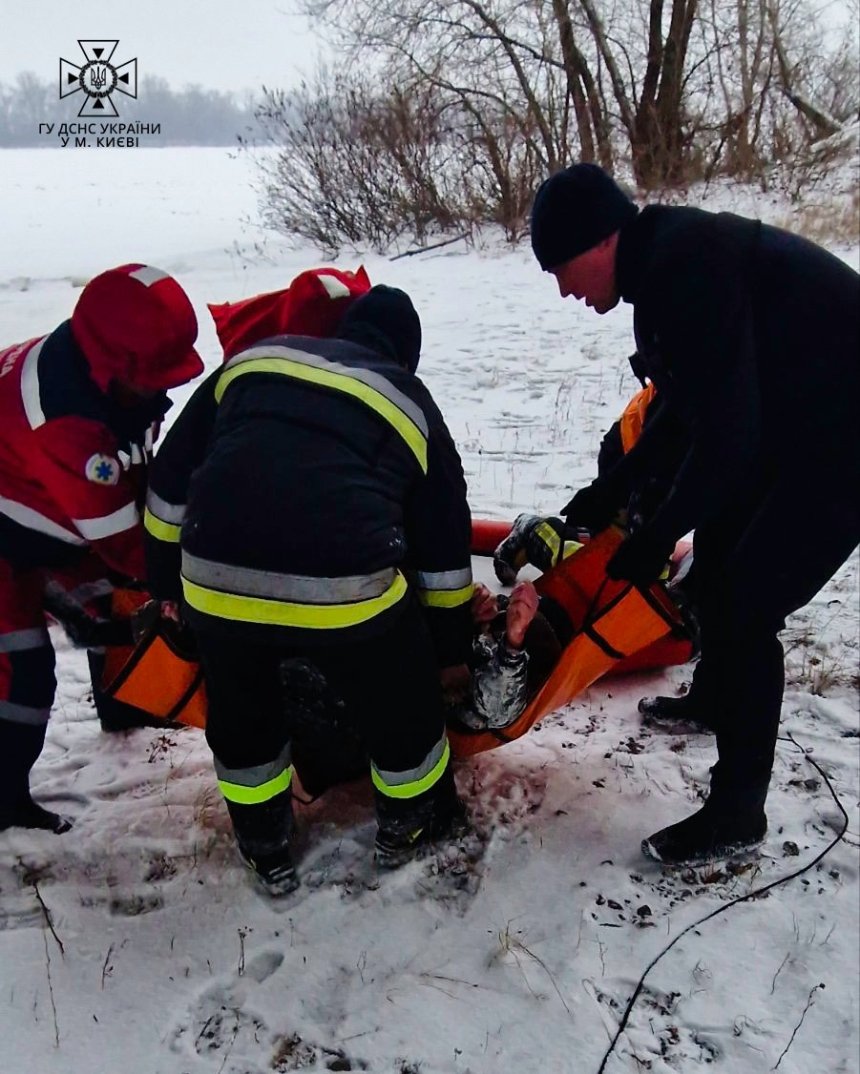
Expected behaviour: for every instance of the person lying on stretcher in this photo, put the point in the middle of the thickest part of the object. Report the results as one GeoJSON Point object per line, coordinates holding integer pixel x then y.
{"type": "Point", "coordinates": [514, 651]}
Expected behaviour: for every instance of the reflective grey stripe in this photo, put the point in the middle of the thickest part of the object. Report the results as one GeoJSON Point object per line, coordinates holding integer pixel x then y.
{"type": "Point", "coordinates": [23, 713]}
{"type": "Point", "coordinates": [444, 579]}
{"type": "Point", "coordinates": [333, 286]}
{"type": "Point", "coordinates": [257, 776]}
{"type": "Point", "coordinates": [298, 588]}
{"type": "Point", "coordinates": [398, 779]}
{"type": "Point", "coordinates": [366, 376]}
{"type": "Point", "coordinates": [95, 529]}
{"type": "Point", "coordinates": [18, 641]}
{"type": "Point", "coordinates": [32, 520]}
{"type": "Point", "coordinates": [148, 275]}
{"type": "Point", "coordinates": [173, 513]}
{"type": "Point", "coordinates": [31, 395]}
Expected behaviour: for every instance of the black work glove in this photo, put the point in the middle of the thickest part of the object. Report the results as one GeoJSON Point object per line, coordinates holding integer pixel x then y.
{"type": "Point", "coordinates": [640, 559]}
{"type": "Point", "coordinates": [513, 552]}
{"type": "Point", "coordinates": [83, 630]}
{"type": "Point", "coordinates": [144, 619]}
{"type": "Point", "coordinates": [148, 619]}
{"type": "Point", "coordinates": [592, 508]}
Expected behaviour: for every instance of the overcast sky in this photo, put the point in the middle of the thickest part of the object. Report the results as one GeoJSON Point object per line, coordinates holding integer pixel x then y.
{"type": "Point", "coordinates": [221, 44]}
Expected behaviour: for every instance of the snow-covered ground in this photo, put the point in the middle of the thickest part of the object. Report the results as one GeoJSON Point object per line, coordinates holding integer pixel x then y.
{"type": "Point", "coordinates": [135, 943]}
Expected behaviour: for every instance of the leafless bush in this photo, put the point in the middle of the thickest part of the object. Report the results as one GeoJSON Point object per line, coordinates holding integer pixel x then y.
{"type": "Point", "coordinates": [828, 221]}
{"type": "Point", "coordinates": [345, 163]}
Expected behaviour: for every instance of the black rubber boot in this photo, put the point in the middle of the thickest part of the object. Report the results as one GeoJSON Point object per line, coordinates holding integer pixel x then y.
{"type": "Point", "coordinates": [678, 713]}
{"type": "Point", "coordinates": [263, 836]}
{"type": "Point", "coordinates": [731, 822]}
{"type": "Point", "coordinates": [20, 746]}
{"type": "Point", "coordinates": [25, 813]}
{"type": "Point", "coordinates": [409, 825]}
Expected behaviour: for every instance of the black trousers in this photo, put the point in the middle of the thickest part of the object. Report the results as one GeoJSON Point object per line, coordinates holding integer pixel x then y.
{"type": "Point", "coordinates": [389, 685]}
{"type": "Point", "coordinates": [757, 563]}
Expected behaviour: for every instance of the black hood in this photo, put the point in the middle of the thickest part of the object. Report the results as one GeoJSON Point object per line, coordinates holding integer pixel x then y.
{"type": "Point", "coordinates": [385, 320]}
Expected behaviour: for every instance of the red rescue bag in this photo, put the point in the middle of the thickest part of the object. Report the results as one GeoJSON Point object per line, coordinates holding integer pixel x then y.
{"type": "Point", "coordinates": [311, 306]}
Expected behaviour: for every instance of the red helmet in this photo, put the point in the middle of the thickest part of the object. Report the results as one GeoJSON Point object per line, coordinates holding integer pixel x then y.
{"type": "Point", "coordinates": [135, 324]}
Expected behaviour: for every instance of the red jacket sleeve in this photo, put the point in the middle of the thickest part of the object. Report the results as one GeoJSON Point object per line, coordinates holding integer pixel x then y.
{"type": "Point", "coordinates": [78, 465]}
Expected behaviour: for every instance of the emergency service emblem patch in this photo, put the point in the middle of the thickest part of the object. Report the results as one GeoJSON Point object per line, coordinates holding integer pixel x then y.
{"type": "Point", "coordinates": [98, 78]}
{"type": "Point", "coordinates": [102, 469]}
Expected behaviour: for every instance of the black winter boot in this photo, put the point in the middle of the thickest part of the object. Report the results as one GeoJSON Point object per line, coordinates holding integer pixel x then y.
{"type": "Point", "coordinates": [25, 813]}
{"type": "Point", "coordinates": [263, 835]}
{"type": "Point", "coordinates": [730, 822]}
{"type": "Point", "coordinates": [667, 712]}
{"type": "Point", "coordinates": [409, 825]}
{"type": "Point", "coordinates": [20, 746]}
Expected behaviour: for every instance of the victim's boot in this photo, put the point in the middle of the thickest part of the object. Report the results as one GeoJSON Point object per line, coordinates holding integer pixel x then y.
{"type": "Point", "coordinates": [408, 825]}
{"type": "Point", "coordinates": [264, 833]}
{"type": "Point", "coordinates": [20, 746]}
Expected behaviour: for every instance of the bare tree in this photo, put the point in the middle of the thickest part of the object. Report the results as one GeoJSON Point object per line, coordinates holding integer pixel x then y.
{"type": "Point", "coordinates": [462, 106]}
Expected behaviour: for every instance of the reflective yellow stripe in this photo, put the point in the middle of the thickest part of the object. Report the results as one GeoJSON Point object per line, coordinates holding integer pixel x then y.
{"type": "Point", "coordinates": [550, 538]}
{"type": "Point", "coordinates": [341, 382]}
{"type": "Point", "coordinates": [285, 613]}
{"type": "Point", "coordinates": [569, 548]}
{"type": "Point", "coordinates": [446, 598]}
{"type": "Point", "coordinates": [163, 531]}
{"type": "Point", "coordinates": [235, 792]}
{"type": "Point", "coordinates": [416, 787]}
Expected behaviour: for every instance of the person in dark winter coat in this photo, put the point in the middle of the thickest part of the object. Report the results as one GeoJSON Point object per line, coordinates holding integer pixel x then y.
{"type": "Point", "coordinates": [751, 337]}
{"type": "Point", "coordinates": [296, 486]}
{"type": "Point", "coordinates": [79, 410]}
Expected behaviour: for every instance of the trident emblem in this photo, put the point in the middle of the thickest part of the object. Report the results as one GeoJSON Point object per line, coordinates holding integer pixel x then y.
{"type": "Point", "coordinates": [98, 78]}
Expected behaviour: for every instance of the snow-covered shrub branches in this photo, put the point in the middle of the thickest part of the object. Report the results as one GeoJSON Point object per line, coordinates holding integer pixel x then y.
{"type": "Point", "coordinates": [357, 162]}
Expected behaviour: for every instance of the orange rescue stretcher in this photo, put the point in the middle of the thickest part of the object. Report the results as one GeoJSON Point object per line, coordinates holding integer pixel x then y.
{"type": "Point", "coordinates": [616, 627]}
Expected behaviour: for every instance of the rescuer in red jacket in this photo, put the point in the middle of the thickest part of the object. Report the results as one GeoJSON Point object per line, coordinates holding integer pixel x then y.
{"type": "Point", "coordinates": [79, 410]}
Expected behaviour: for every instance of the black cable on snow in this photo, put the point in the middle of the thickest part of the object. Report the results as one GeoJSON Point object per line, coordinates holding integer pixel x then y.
{"type": "Point", "coordinates": [756, 893]}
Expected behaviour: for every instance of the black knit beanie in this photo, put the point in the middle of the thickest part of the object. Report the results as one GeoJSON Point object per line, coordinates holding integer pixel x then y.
{"type": "Point", "coordinates": [385, 320]}
{"type": "Point", "coordinates": [574, 210]}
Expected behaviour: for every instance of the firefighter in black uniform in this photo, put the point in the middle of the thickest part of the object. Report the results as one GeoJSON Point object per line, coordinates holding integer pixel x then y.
{"type": "Point", "coordinates": [751, 337]}
{"type": "Point", "coordinates": [301, 484]}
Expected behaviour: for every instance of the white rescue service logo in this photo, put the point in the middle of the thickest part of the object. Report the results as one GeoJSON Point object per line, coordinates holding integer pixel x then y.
{"type": "Point", "coordinates": [102, 469]}
{"type": "Point", "coordinates": [11, 357]}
